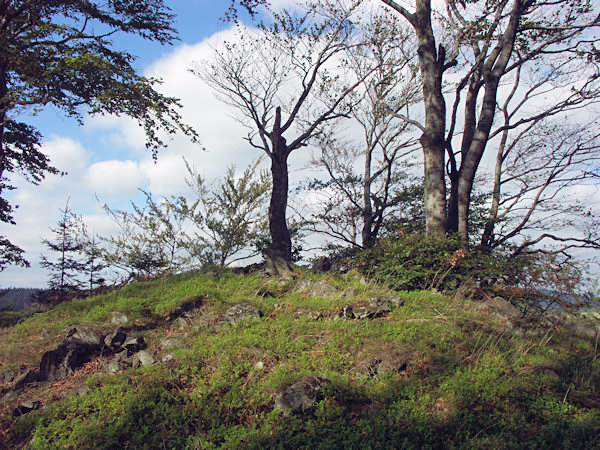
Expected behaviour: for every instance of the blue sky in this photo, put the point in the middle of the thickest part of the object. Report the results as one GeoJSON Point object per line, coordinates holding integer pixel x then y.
{"type": "Point", "coordinates": [106, 157]}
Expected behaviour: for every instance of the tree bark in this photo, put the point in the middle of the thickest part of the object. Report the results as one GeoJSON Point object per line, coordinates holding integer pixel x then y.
{"type": "Point", "coordinates": [281, 242]}
{"type": "Point", "coordinates": [433, 137]}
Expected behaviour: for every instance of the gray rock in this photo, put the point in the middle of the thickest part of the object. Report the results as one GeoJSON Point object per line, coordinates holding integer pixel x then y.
{"type": "Point", "coordinates": [582, 328]}
{"type": "Point", "coordinates": [135, 345]}
{"type": "Point", "coordinates": [118, 318]}
{"type": "Point", "coordinates": [321, 288]}
{"type": "Point", "coordinates": [168, 358]}
{"type": "Point", "coordinates": [259, 365]}
{"type": "Point", "coordinates": [314, 315]}
{"type": "Point", "coordinates": [346, 313]}
{"type": "Point", "coordinates": [63, 361]}
{"type": "Point", "coordinates": [301, 396]}
{"type": "Point", "coordinates": [9, 397]}
{"type": "Point", "coordinates": [143, 358]}
{"type": "Point", "coordinates": [114, 366]}
{"type": "Point", "coordinates": [552, 375]}
{"type": "Point", "coordinates": [27, 406]}
{"type": "Point", "coordinates": [242, 311]}
{"type": "Point", "coordinates": [181, 322]}
{"type": "Point", "coordinates": [115, 340]}
{"type": "Point", "coordinates": [171, 343]}
{"type": "Point", "coordinates": [504, 310]}
{"type": "Point", "coordinates": [85, 336]}
{"type": "Point", "coordinates": [23, 378]}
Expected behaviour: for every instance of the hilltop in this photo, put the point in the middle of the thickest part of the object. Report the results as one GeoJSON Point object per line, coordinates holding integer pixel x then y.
{"type": "Point", "coordinates": [218, 359]}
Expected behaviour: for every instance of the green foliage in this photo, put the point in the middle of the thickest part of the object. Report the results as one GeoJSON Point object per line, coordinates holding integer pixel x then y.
{"type": "Point", "coordinates": [414, 261]}
{"type": "Point", "coordinates": [60, 53]}
{"type": "Point", "coordinates": [66, 267]}
{"type": "Point", "coordinates": [230, 218]}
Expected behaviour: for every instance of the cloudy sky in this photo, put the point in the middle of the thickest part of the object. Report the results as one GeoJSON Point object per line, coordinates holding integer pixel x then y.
{"type": "Point", "coordinates": [106, 158]}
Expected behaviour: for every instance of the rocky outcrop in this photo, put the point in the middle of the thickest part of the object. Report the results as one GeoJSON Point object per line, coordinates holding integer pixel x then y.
{"type": "Point", "coordinates": [301, 396]}
{"type": "Point", "coordinates": [241, 312]}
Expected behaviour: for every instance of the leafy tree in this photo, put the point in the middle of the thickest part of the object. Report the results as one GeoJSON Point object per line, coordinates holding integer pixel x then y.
{"type": "Point", "coordinates": [151, 238]}
{"type": "Point", "coordinates": [229, 219]}
{"type": "Point", "coordinates": [66, 268]}
{"type": "Point", "coordinates": [59, 53]}
{"type": "Point", "coordinates": [489, 42]}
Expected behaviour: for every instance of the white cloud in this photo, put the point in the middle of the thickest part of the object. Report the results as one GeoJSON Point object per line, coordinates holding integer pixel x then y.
{"type": "Point", "coordinates": [114, 177]}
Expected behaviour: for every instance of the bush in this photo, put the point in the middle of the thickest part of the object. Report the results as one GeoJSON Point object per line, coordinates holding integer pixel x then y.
{"type": "Point", "coordinates": [414, 261]}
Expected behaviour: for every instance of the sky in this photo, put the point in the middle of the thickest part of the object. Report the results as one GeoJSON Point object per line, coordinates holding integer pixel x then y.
{"type": "Point", "coordinates": [106, 160]}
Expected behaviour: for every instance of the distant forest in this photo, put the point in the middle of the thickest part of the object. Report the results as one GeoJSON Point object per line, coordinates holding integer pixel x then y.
{"type": "Point", "coordinates": [18, 299]}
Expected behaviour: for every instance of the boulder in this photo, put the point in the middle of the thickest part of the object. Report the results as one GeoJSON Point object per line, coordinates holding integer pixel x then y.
{"type": "Point", "coordinates": [301, 396]}
{"type": "Point", "coordinates": [171, 343]}
{"type": "Point", "coordinates": [115, 340]}
{"type": "Point", "coordinates": [347, 313]}
{"type": "Point", "coordinates": [27, 406]}
{"type": "Point", "coordinates": [242, 311]}
{"type": "Point", "coordinates": [504, 310]}
{"type": "Point", "coordinates": [142, 358]}
{"type": "Point", "coordinates": [314, 315]}
{"type": "Point", "coordinates": [23, 378]}
{"type": "Point", "coordinates": [63, 361]}
{"type": "Point", "coordinates": [118, 318]}
{"type": "Point", "coordinates": [135, 345]}
{"type": "Point", "coordinates": [321, 288]}
{"type": "Point", "coordinates": [582, 328]}
{"type": "Point", "coordinates": [84, 336]}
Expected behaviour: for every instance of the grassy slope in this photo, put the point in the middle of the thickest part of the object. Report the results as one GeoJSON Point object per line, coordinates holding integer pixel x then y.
{"type": "Point", "coordinates": [468, 383]}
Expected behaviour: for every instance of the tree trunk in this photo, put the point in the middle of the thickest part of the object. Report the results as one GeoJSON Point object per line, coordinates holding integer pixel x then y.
{"type": "Point", "coordinates": [433, 138]}
{"type": "Point", "coordinates": [368, 240]}
{"type": "Point", "coordinates": [281, 242]}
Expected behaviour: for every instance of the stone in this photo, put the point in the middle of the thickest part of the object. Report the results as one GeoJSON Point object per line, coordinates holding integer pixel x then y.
{"type": "Point", "coordinates": [63, 361]}
{"type": "Point", "coordinates": [181, 322]}
{"type": "Point", "coordinates": [346, 313]}
{"type": "Point", "coordinates": [114, 366]}
{"type": "Point", "coordinates": [171, 343]}
{"type": "Point", "coordinates": [118, 318]}
{"type": "Point", "coordinates": [26, 407]}
{"type": "Point", "coordinates": [9, 397]}
{"type": "Point", "coordinates": [314, 315]}
{"type": "Point", "coordinates": [259, 365]}
{"type": "Point", "coordinates": [115, 340]}
{"type": "Point", "coordinates": [377, 307]}
{"type": "Point", "coordinates": [386, 361]}
{"type": "Point", "coordinates": [135, 345]}
{"type": "Point", "coordinates": [143, 358]}
{"type": "Point", "coordinates": [581, 328]}
{"type": "Point", "coordinates": [552, 375]}
{"type": "Point", "coordinates": [23, 378]}
{"type": "Point", "coordinates": [242, 311]}
{"type": "Point", "coordinates": [84, 336]}
{"type": "Point", "coordinates": [321, 288]}
{"type": "Point", "coordinates": [168, 358]}
{"type": "Point", "coordinates": [504, 310]}
{"type": "Point", "coordinates": [301, 396]}
{"type": "Point", "coordinates": [321, 265]}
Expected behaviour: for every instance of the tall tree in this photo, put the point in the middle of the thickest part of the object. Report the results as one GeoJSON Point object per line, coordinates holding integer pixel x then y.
{"type": "Point", "coordinates": [59, 53]}
{"type": "Point", "coordinates": [277, 78]}
{"type": "Point", "coordinates": [490, 40]}
{"type": "Point", "coordinates": [362, 199]}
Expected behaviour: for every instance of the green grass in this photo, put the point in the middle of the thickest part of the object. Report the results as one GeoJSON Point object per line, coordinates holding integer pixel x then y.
{"type": "Point", "coordinates": [468, 382]}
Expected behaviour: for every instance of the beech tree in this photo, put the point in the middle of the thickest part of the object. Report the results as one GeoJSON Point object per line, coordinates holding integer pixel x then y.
{"type": "Point", "coordinates": [488, 41]}
{"type": "Point", "coordinates": [277, 79]}
{"type": "Point", "coordinates": [59, 53]}
{"type": "Point", "coordinates": [357, 202]}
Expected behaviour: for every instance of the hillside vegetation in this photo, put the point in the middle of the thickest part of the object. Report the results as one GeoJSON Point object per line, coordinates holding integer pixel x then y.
{"type": "Point", "coordinates": [385, 369]}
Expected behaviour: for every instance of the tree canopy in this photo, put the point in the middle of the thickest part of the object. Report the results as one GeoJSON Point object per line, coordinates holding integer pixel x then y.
{"type": "Point", "coordinates": [60, 53]}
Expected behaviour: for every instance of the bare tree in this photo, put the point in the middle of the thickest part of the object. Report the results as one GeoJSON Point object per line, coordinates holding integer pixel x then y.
{"type": "Point", "coordinates": [359, 201]}
{"type": "Point", "coordinates": [488, 41]}
{"type": "Point", "coordinates": [277, 79]}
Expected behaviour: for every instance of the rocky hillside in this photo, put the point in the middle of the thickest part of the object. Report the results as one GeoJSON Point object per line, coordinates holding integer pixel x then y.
{"type": "Point", "coordinates": [245, 361]}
